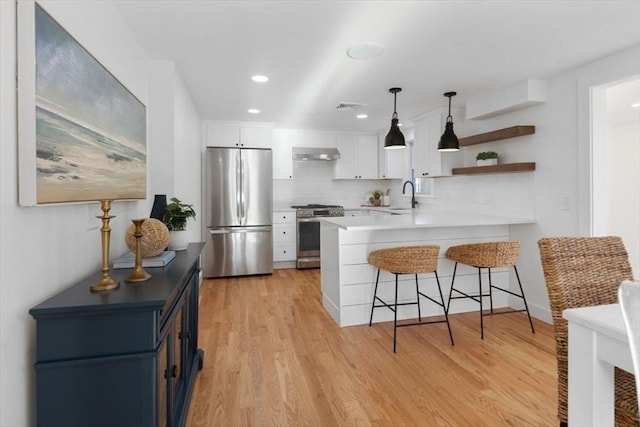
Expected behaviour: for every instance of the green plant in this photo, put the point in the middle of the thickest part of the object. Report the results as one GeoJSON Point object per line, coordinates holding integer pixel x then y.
{"type": "Point", "coordinates": [484, 155]}
{"type": "Point", "coordinates": [377, 194]}
{"type": "Point", "coordinates": [177, 215]}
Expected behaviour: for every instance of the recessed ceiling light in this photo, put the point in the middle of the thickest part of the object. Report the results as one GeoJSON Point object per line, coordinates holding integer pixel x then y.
{"type": "Point", "coordinates": [636, 105]}
{"type": "Point", "coordinates": [260, 79]}
{"type": "Point", "coordinates": [253, 111]}
{"type": "Point", "coordinates": [365, 50]}
{"type": "Point", "coordinates": [362, 116]}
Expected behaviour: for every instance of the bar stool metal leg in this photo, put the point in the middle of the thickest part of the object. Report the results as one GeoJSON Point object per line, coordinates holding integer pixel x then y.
{"type": "Point", "coordinates": [375, 293]}
{"type": "Point", "coordinates": [418, 297]}
{"type": "Point", "coordinates": [446, 311]}
{"type": "Point", "coordinates": [395, 316]}
{"type": "Point", "coordinates": [524, 299]}
{"type": "Point", "coordinates": [480, 300]}
{"type": "Point", "coordinates": [490, 290]}
{"type": "Point", "coordinates": [453, 278]}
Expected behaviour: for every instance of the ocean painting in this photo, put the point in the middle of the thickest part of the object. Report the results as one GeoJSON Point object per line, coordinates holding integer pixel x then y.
{"type": "Point", "coordinates": [90, 130]}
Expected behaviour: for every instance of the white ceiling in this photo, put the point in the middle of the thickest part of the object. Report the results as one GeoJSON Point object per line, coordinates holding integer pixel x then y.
{"type": "Point", "coordinates": [430, 47]}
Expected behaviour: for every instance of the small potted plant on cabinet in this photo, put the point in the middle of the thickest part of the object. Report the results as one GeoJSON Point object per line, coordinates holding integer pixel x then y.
{"type": "Point", "coordinates": [175, 218]}
{"type": "Point", "coordinates": [487, 158]}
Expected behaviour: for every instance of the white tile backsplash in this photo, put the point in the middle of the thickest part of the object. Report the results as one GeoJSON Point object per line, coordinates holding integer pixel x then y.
{"type": "Point", "coordinates": [496, 194]}
{"type": "Point", "coordinates": [313, 183]}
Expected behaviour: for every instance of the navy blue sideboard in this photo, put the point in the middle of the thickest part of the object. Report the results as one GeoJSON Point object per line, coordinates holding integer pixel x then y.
{"type": "Point", "coordinates": [126, 357]}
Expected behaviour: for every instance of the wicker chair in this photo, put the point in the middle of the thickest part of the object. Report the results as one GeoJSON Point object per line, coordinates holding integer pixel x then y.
{"type": "Point", "coordinates": [407, 260]}
{"type": "Point", "coordinates": [580, 272]}
{"type": "Point", "coordinates": [487, 255]}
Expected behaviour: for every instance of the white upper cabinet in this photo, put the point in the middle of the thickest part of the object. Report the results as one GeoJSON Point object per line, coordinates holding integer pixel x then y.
{"type": "Point", "coordinates": [358, 157]}
{"type": "Point", "coordinates": [232, 135]}
{"type": "Point", "coordinates": [428, 128]}
{"type": "Point", "coordinates": [391, 163]}
{"type": "Point", "coordinates": [283, 141]}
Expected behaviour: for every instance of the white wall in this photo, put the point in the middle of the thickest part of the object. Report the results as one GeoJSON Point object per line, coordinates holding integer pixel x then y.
{"type": "Point", "coordinates": [46, 249]}
{"type": "Point", "coordinates": [175, 131]}
{"type": "Point", "coordinates": [623, 186]}
{"type": "Point", "coordinates": [187, 161]}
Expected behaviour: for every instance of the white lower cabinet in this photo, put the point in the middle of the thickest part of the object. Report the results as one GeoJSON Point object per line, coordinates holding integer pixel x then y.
{"type": "Point", "coordinates": [356, 212]}
{"type": "Point", "coordinates": [284, 236]}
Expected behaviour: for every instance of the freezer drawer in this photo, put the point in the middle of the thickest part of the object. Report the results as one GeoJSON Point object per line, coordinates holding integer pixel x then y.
{"type": "Point", "coordinates": [238, 251]}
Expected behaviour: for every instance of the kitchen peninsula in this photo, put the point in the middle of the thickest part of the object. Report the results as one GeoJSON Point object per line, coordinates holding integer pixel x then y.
{"type": "Point", "coordinates": [348, 280]}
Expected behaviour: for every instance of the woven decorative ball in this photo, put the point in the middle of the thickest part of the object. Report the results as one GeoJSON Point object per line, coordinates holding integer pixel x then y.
{"type": "Point", "coordinates": [155, 237]}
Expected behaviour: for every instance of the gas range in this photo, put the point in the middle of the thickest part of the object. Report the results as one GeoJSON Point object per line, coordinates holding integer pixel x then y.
{"type": "Point", "coordinates": [313, 210]}
{"type": "Point", "coordinates": [308, 232]}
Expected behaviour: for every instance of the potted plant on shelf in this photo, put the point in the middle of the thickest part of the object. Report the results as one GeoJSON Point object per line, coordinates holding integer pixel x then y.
{"type": "Point", "coordinates": [487, 158]}
{"type": "Point", "coordinates": [376, 198]}
{"type": "Point", "coordinates": [175, 218]}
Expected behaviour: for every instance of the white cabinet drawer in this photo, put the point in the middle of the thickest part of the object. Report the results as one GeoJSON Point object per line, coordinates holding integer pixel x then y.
{"type": "Point", "coordinates": [284, 217]}
{"type": "Point", "coordinates": [284, 252]}
{"type": "Point", "coordinates": [284, 233]}
{"type": "Point", "coordinates": [355, 212]}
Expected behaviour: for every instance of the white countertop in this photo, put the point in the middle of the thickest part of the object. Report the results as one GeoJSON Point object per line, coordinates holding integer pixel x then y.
{"type": "Point", "coordinates": [408, 218]}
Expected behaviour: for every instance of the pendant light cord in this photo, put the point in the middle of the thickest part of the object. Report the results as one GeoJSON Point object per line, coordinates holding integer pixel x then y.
{"type": "Point", "coordinates": [395, 114]}
{"type": "Point", "coordinates": [449, 117]}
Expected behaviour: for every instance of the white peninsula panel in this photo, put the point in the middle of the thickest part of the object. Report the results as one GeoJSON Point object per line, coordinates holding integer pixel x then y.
{"type": "Point", "coordinates": [348, 280]}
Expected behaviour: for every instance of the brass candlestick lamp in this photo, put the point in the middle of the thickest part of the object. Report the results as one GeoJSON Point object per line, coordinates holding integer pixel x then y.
{"type": "Point", "coordinates": [106, 283]}
{"type": "Point", "coordinates": [138, 274]}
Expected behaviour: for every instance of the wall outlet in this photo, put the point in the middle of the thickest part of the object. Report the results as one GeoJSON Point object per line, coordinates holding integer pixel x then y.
{"type": "Point", "coordinates": [565, 203]}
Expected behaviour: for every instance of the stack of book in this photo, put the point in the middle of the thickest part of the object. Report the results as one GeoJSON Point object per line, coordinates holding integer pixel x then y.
{"type": "Point", "coordinates": [129, 260]}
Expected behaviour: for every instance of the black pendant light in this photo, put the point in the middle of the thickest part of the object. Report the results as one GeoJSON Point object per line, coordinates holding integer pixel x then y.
{"type": "Point", "coordinates": [449, 140]}
{"type": "Point", "coordinates": [395, 138]}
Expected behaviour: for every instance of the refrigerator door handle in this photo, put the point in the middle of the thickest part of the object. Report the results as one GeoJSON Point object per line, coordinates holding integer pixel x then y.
{"type": "Point", "coordinates": [239, 188]}
{"type": "Point", "coordinates": [239, 230]}
{"type": "Point", "coordinates": [243, 198]}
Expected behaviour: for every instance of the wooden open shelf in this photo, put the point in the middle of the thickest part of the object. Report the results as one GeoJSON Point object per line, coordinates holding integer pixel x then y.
{"type": "Point", "coordinates": [504, 168]}
{"type": "Point", "coordinates": [497, 135]}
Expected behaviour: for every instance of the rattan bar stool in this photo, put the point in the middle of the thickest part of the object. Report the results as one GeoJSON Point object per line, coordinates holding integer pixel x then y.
{"type": "Point", "coordinates": [487, 255]}
{"type": "Point", "coordinates": [407, 260]}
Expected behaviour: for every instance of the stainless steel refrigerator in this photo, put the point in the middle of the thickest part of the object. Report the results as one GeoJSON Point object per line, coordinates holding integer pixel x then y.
{"type": "Point", "coordinates": [238, 212]}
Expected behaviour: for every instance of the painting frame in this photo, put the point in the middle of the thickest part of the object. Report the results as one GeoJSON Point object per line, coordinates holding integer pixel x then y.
{"type": "Point", "coordinates": [82, 135]}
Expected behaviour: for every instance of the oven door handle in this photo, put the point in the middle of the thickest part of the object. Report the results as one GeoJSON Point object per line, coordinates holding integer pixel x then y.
{"type": "Point", "coordinates": [308, 219]}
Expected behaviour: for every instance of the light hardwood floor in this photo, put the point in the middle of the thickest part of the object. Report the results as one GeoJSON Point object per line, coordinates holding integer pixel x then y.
{"type": "Point", "coordinates": [274, 357]}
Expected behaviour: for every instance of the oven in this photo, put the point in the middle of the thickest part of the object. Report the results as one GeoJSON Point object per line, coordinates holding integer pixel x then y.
{"type": "Point", "coordinates": [308, 232]}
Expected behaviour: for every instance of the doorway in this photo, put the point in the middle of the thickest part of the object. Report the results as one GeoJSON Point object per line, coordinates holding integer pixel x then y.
{"type": "Point", "coordinates": [615, 164]}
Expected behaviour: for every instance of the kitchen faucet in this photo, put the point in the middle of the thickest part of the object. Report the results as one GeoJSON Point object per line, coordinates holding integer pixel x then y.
{"type": "Point", "coordinates": [413, 193]}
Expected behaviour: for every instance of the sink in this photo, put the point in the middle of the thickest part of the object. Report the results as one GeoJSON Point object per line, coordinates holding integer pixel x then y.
{"type": "Point", "coordinates": [399, 209]}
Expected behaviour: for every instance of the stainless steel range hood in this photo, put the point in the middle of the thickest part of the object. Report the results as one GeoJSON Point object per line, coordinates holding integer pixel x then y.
{"type": "Point", "coordinates": [309, 153]}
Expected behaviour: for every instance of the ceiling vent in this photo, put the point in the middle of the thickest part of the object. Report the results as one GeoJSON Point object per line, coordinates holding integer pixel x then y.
{"type": "Point", "coordinates": [349, 106]}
